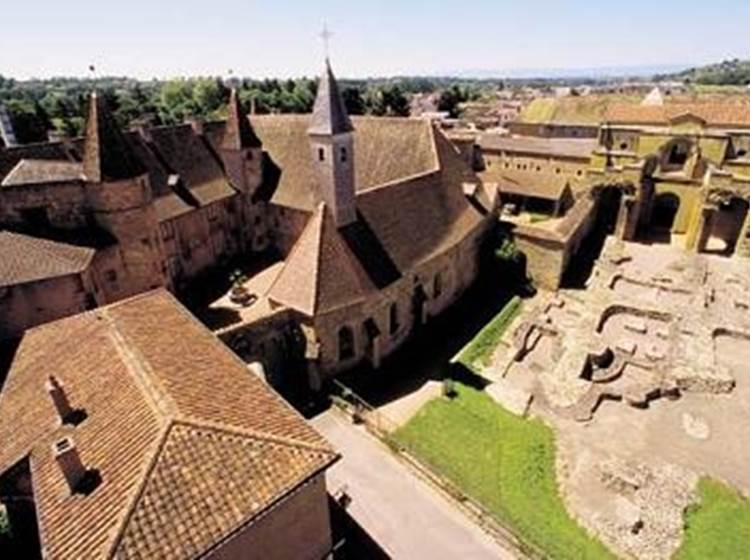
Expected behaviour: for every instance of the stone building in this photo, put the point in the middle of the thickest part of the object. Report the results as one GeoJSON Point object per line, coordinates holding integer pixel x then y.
{"type": "Point", "coordinates": [159, 207]}
{"type": "Point", "coordinates": [380, 221]}
{"type": "Point", "coordinates": [682, 172]}
{"type": "Point", "coordinates": [148, 438]}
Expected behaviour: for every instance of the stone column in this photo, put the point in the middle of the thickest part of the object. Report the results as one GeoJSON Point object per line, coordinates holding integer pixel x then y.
{"type": "Point", "coordinates": [704, 228]}
{"type": "Point", "coordinates": [627, 218]}
{"type": "Point", "coordinates": [742, 248]}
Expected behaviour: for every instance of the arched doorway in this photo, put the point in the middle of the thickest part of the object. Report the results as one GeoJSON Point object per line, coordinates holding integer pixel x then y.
{"type": "Point", "coordinates": [726, 226]}
{"type": "Point", "coordinates": [663, 214]}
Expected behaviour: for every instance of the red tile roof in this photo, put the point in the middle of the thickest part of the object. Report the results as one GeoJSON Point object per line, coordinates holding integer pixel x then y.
{"type": "Point", "coordinates": [169, 411]}
{"type": "Point", "coordinates": [580, 148]}
{"type": "Point", "coordinates": [30, 259]}
{"type": "Point", "coordinates": [385, 150]}
{"type": "Point", "coordinates": [36, 171]}
{"type": "Point", "coordinates": [321, 272]}
{"type": "Point", "coordinates": [717, 114]}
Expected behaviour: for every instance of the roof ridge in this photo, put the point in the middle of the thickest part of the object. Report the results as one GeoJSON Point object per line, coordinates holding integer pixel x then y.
{"type": "Point", "coordinates": [140, 489]}
{"type": "Point", "coordinates": [233, 356]}
{"type": "Point", "coordinates": [140, 371]}
{"type": "Point", "coordinates": [231, 429]}
{"type": "Point", "coordinates": [292, 251]}
{"type": "Point", "coordinates": [319, 257]}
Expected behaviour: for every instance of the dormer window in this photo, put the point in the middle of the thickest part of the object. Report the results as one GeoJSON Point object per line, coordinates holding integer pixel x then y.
{"type": "Point", "coordinates": [344, 155]}
{"type": "Point", "coordinates": [321, 154]}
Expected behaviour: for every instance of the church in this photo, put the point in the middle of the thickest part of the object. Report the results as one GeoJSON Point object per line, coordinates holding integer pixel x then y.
{"type": "Point", "coordinates": [378, 221]}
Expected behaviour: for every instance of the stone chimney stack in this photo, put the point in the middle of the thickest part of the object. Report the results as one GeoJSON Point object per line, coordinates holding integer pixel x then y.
{"type": "Point", "coordinates": [69, 461]}
{"type": "Point", "coordinates": [59, 398]}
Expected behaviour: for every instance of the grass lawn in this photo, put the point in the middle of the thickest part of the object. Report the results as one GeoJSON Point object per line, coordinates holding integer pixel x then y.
{"type": "Point", "coordinates": [718, 528]}
{"type": "Point", "coordinates": [479, 351]}
{"type": "Point", "coordinates": [504, 462]}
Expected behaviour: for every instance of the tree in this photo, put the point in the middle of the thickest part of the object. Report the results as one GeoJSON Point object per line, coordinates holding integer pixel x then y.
{"type": "Point", "coordinates": [355, 104]}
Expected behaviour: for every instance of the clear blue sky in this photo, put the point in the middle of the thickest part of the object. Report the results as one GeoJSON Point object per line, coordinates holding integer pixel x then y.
{"type": "Point", "coordinates": [147, 38]}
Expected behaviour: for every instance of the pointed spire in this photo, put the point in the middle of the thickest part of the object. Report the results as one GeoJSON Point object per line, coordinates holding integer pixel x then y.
{"type": "Point", "coordinates": [106, 154]}
{"type": "Point", "coordinates": [238, 134]}
{"type": "Point", "coordinates": [329, 116]}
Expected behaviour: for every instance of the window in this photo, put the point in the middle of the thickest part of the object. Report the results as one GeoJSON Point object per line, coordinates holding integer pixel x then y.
{"type": "Point", "coordinates": [579, 172]}
{"type": "Point", "coordinates": [393, 319]}
{"type": "Point", "coordinates": [111, 277]}
{"type": "Point", "coordinates": [678, 153]}
{"type": "Point", "coordinates": [437, 285]}
{"type": "Point", "coordinates": [623, 146]}
{"type": "Point", "coordinates": [344, 155]}
{"type": "Point", "coordinates": [538, 167]}
{"type": "Point", "coordinates": [249, 155]}
{"type": "Point", "coordinates": [346, 343]}
{"type": "Point", "coordinates": [558, 170]}
{"type": "Point", "coordinates": [321, 154]}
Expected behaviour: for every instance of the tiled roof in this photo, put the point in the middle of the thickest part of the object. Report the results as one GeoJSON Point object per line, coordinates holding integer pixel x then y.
{"type": "Point", "coordinates": [189, 155]}
{"type": "Point", "coordinates": [329, 114]}
{"type": "Point", "coordinates": [385, 150]}
{"type": "Point", "coordinates": [564, 147]}
{"type": "Point", "coordinates": [399, 225]}
{"type": "Point", "coordinates": [419, 217]}
{"type": "Point", "coordinates": [36, 171]}
{"type": "Point", "coordinates": [9, 157]}
{"type": "Point", "coordinates": [529, 183]}
{"type": "Point", "coordinates": [321, 272]}
{"type": "Point", "coordinates": [169, 412]}
{"type": "Point", "coordinates": [718, 114]}
{"type": "Point", "coordinates": [106, 154]}
{"type": "Point", "coordinates": [28, 259]}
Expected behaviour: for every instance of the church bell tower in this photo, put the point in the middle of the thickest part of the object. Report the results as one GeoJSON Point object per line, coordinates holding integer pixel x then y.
{"type": "Point", "coordinates": [332, 144]}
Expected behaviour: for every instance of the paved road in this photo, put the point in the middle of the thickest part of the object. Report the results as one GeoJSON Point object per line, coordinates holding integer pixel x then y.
{"type": "Point", "coordinates": [408, 518]}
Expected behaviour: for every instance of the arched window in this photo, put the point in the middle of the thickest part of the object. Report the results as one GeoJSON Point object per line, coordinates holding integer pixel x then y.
{"type": "Point", "coordinates": [346, 343]}
{"type": "Point", "coordinates": [344, 155]}
{"type": "Point", "coordinates": [393, 319]}
{"type": "Point", "coordinates": [321, 154]}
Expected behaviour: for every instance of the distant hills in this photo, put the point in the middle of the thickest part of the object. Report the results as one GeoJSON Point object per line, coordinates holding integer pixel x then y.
{"type": "Point", "coordinates": [734, 72]}
{"type": "Point", "coordinates": [589, 73]}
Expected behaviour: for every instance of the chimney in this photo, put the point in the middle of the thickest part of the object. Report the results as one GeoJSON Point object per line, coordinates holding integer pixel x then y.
{"type": "Point", "coordinates": [69, 462]}
{"type": "Point", "coordinates": [59, 398]}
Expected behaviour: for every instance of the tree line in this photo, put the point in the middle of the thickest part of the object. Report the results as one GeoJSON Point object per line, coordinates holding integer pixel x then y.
{"type": "Point", "coordinates": [58, 106]}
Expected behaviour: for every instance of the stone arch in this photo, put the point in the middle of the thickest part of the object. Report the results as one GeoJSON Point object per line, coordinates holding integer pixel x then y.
{"type": "Point", "coordinates": [664, 211]}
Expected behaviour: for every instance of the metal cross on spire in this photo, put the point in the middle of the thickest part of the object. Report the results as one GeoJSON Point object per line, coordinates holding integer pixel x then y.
{"type": "Point", "coordinates": [326, 35]}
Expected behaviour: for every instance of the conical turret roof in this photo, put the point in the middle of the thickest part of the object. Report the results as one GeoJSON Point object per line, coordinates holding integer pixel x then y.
{"type": "Point", "coordinates": [106, 154]}
{"type": "Point", "coordinates": [329, 116]}
{"type": "Point", "coordinates": [238, 134]}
